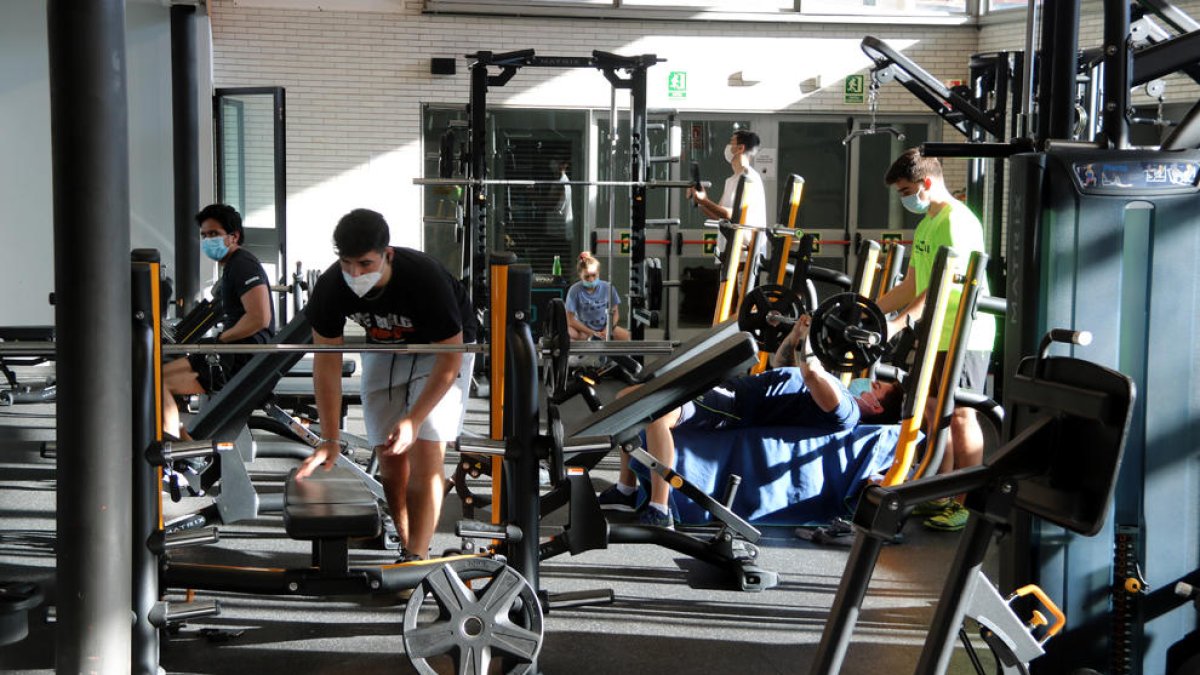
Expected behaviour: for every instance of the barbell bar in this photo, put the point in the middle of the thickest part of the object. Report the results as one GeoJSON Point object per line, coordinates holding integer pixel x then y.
{"type": "Point", "coordinates": [522, 182]}
{"type": "Point", "coordinates": [853, 333]}
{"type": "Point", "coordinates": [591, 347]}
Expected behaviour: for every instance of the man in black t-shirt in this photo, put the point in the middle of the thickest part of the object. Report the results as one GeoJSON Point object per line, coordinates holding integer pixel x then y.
{"type": "Point", "coordinates": [412, 404]}
{"type": "Point", "coordinates": [247, 316]}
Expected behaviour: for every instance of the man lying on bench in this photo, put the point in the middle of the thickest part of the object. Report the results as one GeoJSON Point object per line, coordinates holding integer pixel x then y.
{"type": "Point", "coordinates": [797, 392]}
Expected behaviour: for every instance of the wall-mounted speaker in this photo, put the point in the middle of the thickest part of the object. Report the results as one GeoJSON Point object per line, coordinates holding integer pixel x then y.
{"type": "Point", "coordinates": [442, 66]}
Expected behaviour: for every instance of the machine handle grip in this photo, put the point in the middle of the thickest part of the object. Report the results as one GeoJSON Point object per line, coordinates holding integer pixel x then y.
{"type": "Point", "coordinates": [1060, 619]}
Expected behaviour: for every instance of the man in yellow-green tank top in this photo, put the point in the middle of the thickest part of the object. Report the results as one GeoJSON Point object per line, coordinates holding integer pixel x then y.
{"type": "Point", "coordinates": [947, 222]}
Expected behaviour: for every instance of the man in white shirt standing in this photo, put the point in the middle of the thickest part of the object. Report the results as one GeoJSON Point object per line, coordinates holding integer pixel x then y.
{"type": "Point", "coordinates": [743, 145]}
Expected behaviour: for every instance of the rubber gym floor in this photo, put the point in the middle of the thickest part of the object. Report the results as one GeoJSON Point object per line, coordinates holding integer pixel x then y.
{"type": "Point", "coordinates": [671, 614]}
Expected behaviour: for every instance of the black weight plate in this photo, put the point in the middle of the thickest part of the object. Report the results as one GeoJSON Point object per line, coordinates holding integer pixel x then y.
{"type": "Point", "coordinates": [558, 341]}
{"type": "Point", "coordinates": [761, 301]}
{"type": "Point", "coordinates": [848, 332]}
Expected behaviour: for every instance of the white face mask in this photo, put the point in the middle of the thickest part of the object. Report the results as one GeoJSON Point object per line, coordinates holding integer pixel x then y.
{"type": "Point", "coordinates": [729, 153]}
{"type": "Point", "coordinates": [363, 283]}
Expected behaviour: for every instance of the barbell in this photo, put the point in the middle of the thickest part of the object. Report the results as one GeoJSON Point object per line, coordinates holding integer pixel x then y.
{"type": "Point", "coordinates": [848, 331]}
{"type": "Point", "coordinates": [524, 182]}
{"type": "Point", "coordinates": [623, 348]}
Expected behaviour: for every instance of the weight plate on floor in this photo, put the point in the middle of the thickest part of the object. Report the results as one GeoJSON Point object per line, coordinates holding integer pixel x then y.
{"type": "Point", "coordinates": [449, 622]}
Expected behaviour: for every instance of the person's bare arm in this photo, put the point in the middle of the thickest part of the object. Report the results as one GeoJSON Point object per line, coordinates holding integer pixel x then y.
{"type": "Point", "coordinates": [574, 322]}
{"type": "Point", "coordinates": [905, 300]}
{"type": "Point", "coordinates": [327, 389]}
{"type": "Point", "coordinates": [793, 351]}
{"type": "Point", "coordinates": [445, 370]}
{"type": "Point", "coordinates": [257, 304]}
{"type": "Point", "coordinates": [711, 209]}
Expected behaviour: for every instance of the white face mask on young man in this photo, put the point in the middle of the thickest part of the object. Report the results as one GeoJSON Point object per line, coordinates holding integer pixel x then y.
{"type": "Point", "coordinates": [363, 283]}
{"type": "Point", "coordinates": [729, 153]}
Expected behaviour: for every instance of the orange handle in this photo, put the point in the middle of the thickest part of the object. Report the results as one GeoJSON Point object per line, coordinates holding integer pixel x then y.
{"type": "Point", "coordinates": [1060, 619]}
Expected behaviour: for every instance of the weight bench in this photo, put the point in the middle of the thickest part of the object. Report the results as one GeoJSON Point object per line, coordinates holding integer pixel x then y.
{"type": "Point", "coordinates": [17, 392]}
{"type": "Point", "coordinates": [689, 350]}
{"type": "Point", "coordinates": [226, 418]}
{"type": "Point", "coordinates": [622, 421]}
{"type": "Point", "coordinates": [329, 508]}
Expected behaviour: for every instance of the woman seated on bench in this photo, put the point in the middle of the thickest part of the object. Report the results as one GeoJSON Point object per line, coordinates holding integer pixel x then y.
{"type": "Point", "coordinates": [592, 304]}
{"type": "Point", "coordinates": [247, 314]}
{"type": "Point", "coordinates": [797, 392]}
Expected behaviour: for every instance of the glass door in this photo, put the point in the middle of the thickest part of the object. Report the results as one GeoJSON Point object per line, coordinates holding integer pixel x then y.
{"type": "Point", "coordinates": [251, 172]}
{"type": "Point", "coordinates": [844, 199]}
{"type": "Point", "coordinates": [610, 206]}
{"type": "Point", "coordinates": [876, 213]}
{"type": "Point", "coordinates": [812, 149]}
{"type": "Point", "coordinates": [704, 141]}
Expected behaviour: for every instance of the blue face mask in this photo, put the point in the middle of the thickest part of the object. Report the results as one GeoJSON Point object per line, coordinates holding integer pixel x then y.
{"type": "Point", "coordinates": [589, 284]}
{"type": "Point", "coordinates": [859, 386]}
{"type": "Point", "coordinates": [214, 247]}
{"type": "Point", "coordinates": [914, 204]}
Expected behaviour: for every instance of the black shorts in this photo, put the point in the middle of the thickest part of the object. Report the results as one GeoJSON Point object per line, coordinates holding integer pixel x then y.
{"type": "Point", "coordinates": [214, 370]}
{"type": "Point", "coordinates": [974, 371]}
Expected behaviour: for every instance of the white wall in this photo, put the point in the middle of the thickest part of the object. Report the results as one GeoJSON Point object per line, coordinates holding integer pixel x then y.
{"type": "Point", "coordinates": [26, 221]}
{"type": "Point", "coordinates": [356, 81]}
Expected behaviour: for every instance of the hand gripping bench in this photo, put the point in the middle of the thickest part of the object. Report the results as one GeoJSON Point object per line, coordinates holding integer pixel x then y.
{"type": "Point", "coordinates": [329, 508]}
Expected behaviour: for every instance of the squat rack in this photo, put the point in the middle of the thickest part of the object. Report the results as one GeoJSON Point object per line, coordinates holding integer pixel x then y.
{"type": "Point", "coordinates": [475, 244]}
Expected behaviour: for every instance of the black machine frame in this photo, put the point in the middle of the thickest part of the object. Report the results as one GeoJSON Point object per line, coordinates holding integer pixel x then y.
{"type": "Point", "coordinates": [477, 202]}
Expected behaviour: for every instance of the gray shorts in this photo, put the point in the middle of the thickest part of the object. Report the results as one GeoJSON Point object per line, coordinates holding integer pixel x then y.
{"type": "Point", "coordinates": [974, 371]}
{"type": "Point", "coordinates": [391, 383]}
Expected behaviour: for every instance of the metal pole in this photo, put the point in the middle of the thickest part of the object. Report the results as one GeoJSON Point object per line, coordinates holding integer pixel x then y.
{"type": "Point", "coordinates": [1027, 96]}
{"type": "Point", "coordinates": [146, 487]}
{"type": "Point", "coordinates": [1057, 106]}
{"type": "Point", "coordinates": [639, 158]}
{"type": "Point", "coordinates": [475, 215]}
{"type": "Point", "coordinates": [847, 604]}
{"type": "Point", "coordinates": [280, 128]}
{"type": "Point", "coordinates": [1116, 73]}
{"type": "Point", "coordinates": [613, 128]}
{"type": "Point", "coordinates": [185, 118]}
{"type": "Point", "coordinates": [951, 606]}
{"type": "Point", "coordinates": [90, 146]}
{"type": "Point", "coordinates": [521, 397]}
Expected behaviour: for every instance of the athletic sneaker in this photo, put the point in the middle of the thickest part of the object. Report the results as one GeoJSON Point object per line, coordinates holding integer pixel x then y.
{"type": "Point", "coordinates": [952, 519]}
{"type": "Point", "coordinates": [612, 500]}
{"type": "Point", "coordinates": [930, 508]}
{"type": "Point", "coordinates": [406, 557]}
{"type": "Point", "coordinates": [652, 516]}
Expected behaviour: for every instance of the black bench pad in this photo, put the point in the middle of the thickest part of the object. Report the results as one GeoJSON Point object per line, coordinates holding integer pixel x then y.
{"type": "Point", "coordinates": [625, 417]}
{"type": "Point", "coordinates": [330, 505]}
{"type": "Point", "coordinates": [304, 368]}
{"type": "Point", "coordinates": [27, 333]}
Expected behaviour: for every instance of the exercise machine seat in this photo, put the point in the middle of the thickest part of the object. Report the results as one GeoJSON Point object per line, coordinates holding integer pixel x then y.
{"type": "Point", "coordinates": [330, 505]}
{"type": "Point", "coordinates": [625, 417]}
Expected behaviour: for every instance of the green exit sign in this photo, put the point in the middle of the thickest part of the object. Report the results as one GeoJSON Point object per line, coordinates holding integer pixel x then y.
{"type": "Point", "coordinates": [677, 84]}
{"type": "Point", "coordinates": [856, 89]}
